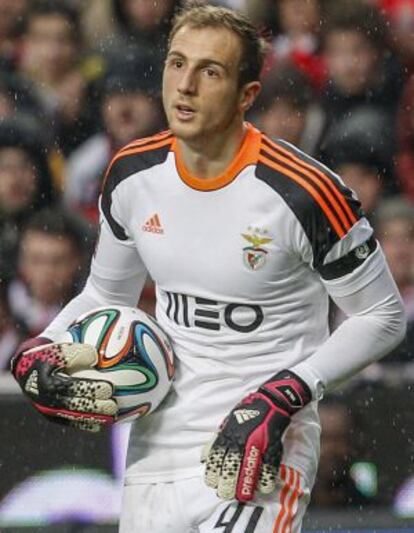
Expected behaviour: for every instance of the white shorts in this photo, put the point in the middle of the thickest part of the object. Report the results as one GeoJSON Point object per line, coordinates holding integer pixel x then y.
{"type": "Point", "coordinates": [189, 506]}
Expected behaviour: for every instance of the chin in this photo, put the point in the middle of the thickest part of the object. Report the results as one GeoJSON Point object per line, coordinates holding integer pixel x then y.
{"type": "Point", "coordinates": [186, 132]}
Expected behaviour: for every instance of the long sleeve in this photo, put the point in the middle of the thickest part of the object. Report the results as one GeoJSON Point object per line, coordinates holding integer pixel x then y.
{"type": "Point", "coordinates": [375, 325]}
{"type": "Point", "coordinates": [117, 276]}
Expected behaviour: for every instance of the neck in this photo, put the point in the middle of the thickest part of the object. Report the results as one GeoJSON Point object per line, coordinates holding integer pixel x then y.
{"type": "Point", "coordinates": [210, 155]}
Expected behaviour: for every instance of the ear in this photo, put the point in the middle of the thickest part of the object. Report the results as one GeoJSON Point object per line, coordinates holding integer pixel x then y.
{"type": "Point", "coordinates": [248, 95]}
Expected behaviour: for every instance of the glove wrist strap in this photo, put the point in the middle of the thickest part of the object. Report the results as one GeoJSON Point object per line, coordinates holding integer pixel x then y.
{"type": "Point", "coordinates": [287, 391]}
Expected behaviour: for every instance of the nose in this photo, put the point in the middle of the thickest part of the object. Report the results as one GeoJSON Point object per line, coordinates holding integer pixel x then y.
{"type": "Point", "coordinates": [188, 82]}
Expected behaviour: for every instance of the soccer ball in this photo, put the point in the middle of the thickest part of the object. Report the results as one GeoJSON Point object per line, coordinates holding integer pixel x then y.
{"type": "Point", "coordinates": [134, 354]}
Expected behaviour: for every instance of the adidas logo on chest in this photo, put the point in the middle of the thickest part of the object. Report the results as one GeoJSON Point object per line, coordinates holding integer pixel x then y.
{"type": "Point", "coordinates": [153, 225]}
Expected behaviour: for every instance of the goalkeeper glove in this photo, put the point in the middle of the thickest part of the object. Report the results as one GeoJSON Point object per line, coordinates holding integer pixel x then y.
{"type": "Point", "coordinates": [42, 369]}
{"type": "Point", "coordinates": [246, 453]}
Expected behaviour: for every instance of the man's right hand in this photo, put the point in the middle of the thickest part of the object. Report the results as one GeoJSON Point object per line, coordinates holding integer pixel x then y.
{"type": "Point", "coordinates": [42, 369]}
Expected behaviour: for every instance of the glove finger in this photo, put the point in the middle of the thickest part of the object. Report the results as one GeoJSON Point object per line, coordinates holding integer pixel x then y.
{"type": "Point", "coordinates": [267, 478]}
{"type": "Point", "coordinates": [227, 483]}
{"type": "Point", "coordinates": [86, 424]}
{"type": "Point", "coordinates": [249, 473]}
{"type": "Point", "coordinates": [206, 449]}
{"type": "Point", "coordinates": [88, 405]}
{"type": "Point", "coordinates": [78, 356]}
{"type": "Point", "coordinates": [92, 389]}
{"type": "Point", "coordinates": [72, 356]}
{"type": "Point", "coordinates": [59, 383]}
{"type": "Point", "coordinates": [49, 374]}
{"type": "Point", "coordinates": [214, 463]}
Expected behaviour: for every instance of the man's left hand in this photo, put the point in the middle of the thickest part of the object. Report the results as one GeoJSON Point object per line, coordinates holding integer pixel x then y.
{"type": "Point", "coordinates": [246, 453]}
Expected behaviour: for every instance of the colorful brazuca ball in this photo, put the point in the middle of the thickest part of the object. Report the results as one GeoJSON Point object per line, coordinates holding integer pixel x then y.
{"type": "Point", "coordinates": [134, 354]}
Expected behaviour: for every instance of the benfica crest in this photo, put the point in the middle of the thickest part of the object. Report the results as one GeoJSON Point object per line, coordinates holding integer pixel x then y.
{"type": "Point", "coordinates": [254, 256]}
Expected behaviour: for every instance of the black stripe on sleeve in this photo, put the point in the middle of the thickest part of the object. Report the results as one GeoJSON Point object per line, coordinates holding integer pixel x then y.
{"type": "Point", "coordinates": [322, 236]}
{"type": "Point", "coordinates": [315, 185]}
{"type": "Point", "coordinates": [348, 263]}
{"type": "Point", "coordinates": [122, 169]}
{"type": "Point", "coordinates": [314, 175]}
{"type": "Point", "coordinates": [353, 203]}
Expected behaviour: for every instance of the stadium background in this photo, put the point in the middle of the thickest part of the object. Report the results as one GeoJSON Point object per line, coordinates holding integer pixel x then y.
{"type": "Point", "coordinates": [78, 79]}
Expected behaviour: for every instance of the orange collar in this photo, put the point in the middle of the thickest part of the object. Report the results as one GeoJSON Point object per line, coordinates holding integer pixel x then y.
{"type": "Point", "coordinates": [247, 155]}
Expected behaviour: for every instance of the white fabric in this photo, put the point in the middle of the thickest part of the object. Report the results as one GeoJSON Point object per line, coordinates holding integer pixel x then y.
{"type": "Point", "coordinates": [188, 506]}
{"type": "Point", "coordinates": [119, 282]}
{"type": "Point", "coordinates": [375, 325]}
{"type": "Point", "coordinates": [233, 326]}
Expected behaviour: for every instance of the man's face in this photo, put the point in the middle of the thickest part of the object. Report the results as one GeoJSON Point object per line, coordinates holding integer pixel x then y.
{"type": "Point", "coordinates": [283, 121]}
{"type": "Point", "coordinates": [49, 46]}
{"type": "Point", "coordinates": [351, 60]}
{"type": "Point", "coordinates": [147, 14]}
{"type": "Point", "coordinates": [397, 240]}
{"type": "Point", "coordinates": [10, 12]}
{"type": "Point", "coordinates": [364, 181]}
{"type": "Point", "coordinates": [128, 116]}
{"type": "Point", "coordinates": [201, 93]}
{"type": "Point", "coordinates": [299, 16]}
{"type": "Point", "coordinates": [18, 181]}
{"type": "Point", "coordinates": [49, 265]}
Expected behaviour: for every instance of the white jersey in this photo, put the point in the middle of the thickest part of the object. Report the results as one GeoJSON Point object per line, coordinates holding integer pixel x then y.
{"type": "Point", "coordinates": [241, 263]}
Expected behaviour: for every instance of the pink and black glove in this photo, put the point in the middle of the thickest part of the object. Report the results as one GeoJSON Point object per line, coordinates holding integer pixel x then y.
{"type": "Point", "coordinates": [42, 369]}
{"type": "Point", "coordinates": [246, 453]}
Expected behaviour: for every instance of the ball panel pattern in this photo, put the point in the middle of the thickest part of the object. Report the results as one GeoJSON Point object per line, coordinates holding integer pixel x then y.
{"type": "Point", "coordinates": [134, 354]}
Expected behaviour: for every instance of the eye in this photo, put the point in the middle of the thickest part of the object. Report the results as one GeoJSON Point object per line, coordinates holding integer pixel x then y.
{"type": "Point", "coordinates": [174, 62]}
{"type": "Point", "coordinates": [177, 63]}
{"type": "Point", "coordinates": [211, 73]}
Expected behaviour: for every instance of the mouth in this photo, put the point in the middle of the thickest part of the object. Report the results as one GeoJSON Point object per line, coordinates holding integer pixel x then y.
{"type": "Point", "coordinates": [184, 112]}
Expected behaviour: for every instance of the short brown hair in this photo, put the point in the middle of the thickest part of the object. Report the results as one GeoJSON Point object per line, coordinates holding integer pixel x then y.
{"type": "Point", "coordinates": [208, 16]}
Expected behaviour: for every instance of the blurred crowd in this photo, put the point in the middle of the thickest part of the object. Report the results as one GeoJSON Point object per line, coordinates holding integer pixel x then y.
{"type": "Point", "coordinates": [79, 79]}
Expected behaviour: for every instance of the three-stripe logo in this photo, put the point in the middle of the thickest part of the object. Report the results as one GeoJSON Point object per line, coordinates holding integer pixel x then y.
{"type": "Point", "coordinates": [153, 225]}
{"type": "Point", "coordinates": [244, 415]}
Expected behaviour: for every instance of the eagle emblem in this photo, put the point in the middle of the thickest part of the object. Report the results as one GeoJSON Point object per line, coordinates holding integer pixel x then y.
{"type": "Point", "coordinates": [254, 255]}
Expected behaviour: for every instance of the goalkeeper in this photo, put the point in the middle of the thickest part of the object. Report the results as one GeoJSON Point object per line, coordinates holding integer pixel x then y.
{"type": "Point", "coordinates": [246, 238]}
